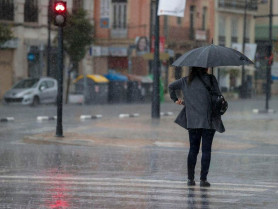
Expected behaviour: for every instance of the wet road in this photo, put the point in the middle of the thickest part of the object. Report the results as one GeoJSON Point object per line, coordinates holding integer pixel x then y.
{"type": "Point", "coordinates": [134, 162]}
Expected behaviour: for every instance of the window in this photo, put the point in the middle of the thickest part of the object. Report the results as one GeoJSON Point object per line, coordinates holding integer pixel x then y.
{"type": "Point", "coordinates": [248, 28]}
{"type": "Point", "coordinates": [192, 21]}
{"type": "Point", "coordinates": [192, 16]}
{"type": "Point", "coordinates": [234, 24]}
{"type": "Point", "coordinates": [31, 11]}
{"type": "Point", "coordinates": [76, 5]}
{"type": "Point", "coordinates": [179, 20]}
{"type": "Point", "coordinates": [119, 14]}
{"type": "Point", "coordinates": [204, 18]}
{"type": "Point", "coordinates": [43, 85]}
{"type": "Point", "coordinates": [221, 31]}
{"type": "Point", "coordinates": [119, 19]}
{"type": "Point", "coordinates": [6, 10]}
{"type": "Point", "coordinates": [50, 84]}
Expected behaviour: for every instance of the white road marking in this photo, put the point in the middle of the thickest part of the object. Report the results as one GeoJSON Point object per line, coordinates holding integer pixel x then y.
{"type": "Point", "coordinates": [84, 117]}
{"type": "Point", "coordinates": [171, 194]}
{"type": "Point", "coordinates": [133, 196]}
{"type": "Point", "coordinates": [270, 183]}
{"type": "Point", "coordinates": [41, 118]}
{"type": "Point", "coordinates": [128, 180]}
{"type": "Point", "coordinates": [246, 154]}
{"type": "Point", "coordinates": [121, 182]}
{"type": "Point", "coordinates": [129, 115]}
{"type": "Point", "coordinates": [169, 144]}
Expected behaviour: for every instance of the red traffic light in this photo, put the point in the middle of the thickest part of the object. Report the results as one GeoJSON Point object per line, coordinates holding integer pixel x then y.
{"type": "Point", "coordinates": [60, 7]}
{"type": "Point", "coordinates": [60, 13]}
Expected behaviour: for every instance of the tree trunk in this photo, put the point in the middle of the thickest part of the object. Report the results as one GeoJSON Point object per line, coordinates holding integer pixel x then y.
{"type": "Point", "coordinates": [74, 67]}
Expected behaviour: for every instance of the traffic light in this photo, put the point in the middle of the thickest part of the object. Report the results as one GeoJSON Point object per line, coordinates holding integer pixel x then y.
{"type": "Point", "coordinates": [60, 13]}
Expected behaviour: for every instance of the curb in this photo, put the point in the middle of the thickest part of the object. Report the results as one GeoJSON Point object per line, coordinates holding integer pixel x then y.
{"type": "Point", "coordinates": [41, 118]}
{"type": "Point", "coordinates": [166, 113]}
{"type": "Point", "coordinates": [257, 111]}
{"type": "Point", "coordinates": [129, 115]}
{"type": "Point", "coordinates": [84, 117]}
{"type": "Point", "coordinates": [7, 119]}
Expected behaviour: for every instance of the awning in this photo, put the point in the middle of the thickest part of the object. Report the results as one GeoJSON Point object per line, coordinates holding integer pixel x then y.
{"type": "Point", "coordinates": [96, 78]}
{"type": "Point", "coordinates": [262, 32]}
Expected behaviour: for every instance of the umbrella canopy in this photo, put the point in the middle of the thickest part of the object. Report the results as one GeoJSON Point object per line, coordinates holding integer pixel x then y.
{"type": "Point", "coordinates": [212, 56]}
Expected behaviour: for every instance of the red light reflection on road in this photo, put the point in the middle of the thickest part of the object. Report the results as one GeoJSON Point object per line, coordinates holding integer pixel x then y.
{"type": "Point", "coordinates": [58, 191]}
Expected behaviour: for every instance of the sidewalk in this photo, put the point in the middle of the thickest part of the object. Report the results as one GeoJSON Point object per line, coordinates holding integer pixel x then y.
{"type": "Point", "coordinates": [244, 129]}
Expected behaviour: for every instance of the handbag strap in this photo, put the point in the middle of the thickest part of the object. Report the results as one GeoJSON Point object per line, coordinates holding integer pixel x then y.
{"type": "Point", "coordinates": [206, 85]}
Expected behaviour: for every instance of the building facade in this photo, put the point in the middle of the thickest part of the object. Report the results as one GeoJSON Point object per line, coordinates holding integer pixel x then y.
{"type": "Point", "coordinates": [194, 30]}
{"type": "Point", "coordinates": [262, 40]}
{"type": "Point", "coordinates": [229, 32]}
{"type": "Point", "coordinates": [123, 37]}
{"type": "Point", "coordinates": [122, 27]}
{"type": "Point", "coordinates": [25, 55]}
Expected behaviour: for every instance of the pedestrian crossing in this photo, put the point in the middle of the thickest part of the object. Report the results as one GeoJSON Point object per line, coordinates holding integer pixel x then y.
{"type": "Point", "coordinates": [84, 192]}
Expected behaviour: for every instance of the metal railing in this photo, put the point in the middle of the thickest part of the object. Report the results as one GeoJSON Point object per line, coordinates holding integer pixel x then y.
{"type": "Point", "coordinates": [180, 33]}
{"type": "Point", "coordinates": [252, 5]}
{"type": "Point", "coordinates": [177, 34]}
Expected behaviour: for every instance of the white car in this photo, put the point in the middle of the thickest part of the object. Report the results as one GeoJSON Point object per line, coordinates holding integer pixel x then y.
{"type": "Point", "coordinates": [33, 91]}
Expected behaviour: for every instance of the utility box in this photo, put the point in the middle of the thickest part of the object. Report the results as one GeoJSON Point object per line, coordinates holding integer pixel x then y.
{"type": "Point", "coordinates": [117, 89]}
{"type": "Point", "coordinates": [96, 88]}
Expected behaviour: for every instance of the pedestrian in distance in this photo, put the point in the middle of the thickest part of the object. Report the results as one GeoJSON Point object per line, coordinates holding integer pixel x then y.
{"type": "Point", "coordinates": [196, 116]}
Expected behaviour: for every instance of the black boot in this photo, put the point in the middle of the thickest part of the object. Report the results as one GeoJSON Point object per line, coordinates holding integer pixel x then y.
{"type": "Point", "coordinates": [191, 182]}
{"type": "Point", "coordinates": [204, 183]}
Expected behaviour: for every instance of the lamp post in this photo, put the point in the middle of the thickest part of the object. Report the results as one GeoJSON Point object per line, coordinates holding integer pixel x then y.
{"type": "Point", "coordinates": [156, 73]}
{"type": "Point", "coordinates": [269, 53]}
{"type": "Point", "coordinates": [243, 87]}
{"type": "Point", "coordinates": [268, 73]}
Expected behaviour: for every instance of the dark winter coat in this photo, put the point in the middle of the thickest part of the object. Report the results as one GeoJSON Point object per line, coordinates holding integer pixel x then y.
{"type": "Point", "coordinates": [197, 109]}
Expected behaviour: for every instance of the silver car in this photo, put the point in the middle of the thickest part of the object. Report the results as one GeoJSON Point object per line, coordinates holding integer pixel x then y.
{"type": "Point", "coordinates": [32, 91]}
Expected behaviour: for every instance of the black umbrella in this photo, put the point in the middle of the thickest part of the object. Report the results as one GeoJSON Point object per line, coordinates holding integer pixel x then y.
{"type": "Point", "coordinates": [212, 56]}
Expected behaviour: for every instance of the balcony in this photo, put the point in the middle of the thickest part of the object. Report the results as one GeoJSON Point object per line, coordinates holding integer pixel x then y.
{"type": "Point", "coordinates": [238, 4]}
{"type": "Point", "coordinates": [181, 34]}
{"type": "Point", "coordinates": [234, 39]}
{"type": "Point", "coordinates": [118, 33]}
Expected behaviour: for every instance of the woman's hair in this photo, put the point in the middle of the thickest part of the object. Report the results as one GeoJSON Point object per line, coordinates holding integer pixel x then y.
{"type": "Point", "coordinates": [195, 71]}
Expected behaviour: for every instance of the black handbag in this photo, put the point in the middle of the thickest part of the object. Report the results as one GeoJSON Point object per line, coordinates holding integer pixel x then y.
{"type": "Point", "coordinates": [218, 102]}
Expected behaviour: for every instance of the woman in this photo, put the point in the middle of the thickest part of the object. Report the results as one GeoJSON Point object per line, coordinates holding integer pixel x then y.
{"type": "Point", "coordinates": [196, 118]}
{"type": "Point", "coordinates": [142, 45]}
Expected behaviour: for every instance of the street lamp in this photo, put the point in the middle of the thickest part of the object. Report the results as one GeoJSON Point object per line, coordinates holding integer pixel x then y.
{"type": "Point", "coordinates": [156, 73]}
{"type": "Point", "coordinates": [269, 53]}
{"type": "Point", "coordinates": [243, 87]}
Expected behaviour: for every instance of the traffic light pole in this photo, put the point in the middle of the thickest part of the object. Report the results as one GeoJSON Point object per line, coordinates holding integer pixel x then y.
{"type": "Point", "coordinates": [156, 73]}
{"type": "Point", "coordinates": [59, 127]}
{"type": "Point", "coordinates": [49, 37]}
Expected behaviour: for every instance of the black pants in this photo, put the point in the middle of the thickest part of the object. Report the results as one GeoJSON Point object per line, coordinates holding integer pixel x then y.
{"type": "Point", "coordinates": [195, 136]}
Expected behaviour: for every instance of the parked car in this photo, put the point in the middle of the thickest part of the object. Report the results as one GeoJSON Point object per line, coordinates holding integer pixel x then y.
{"type": "Point", "coordinates": [32, 91]}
